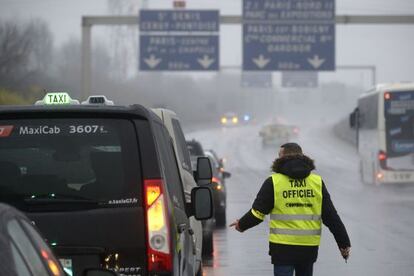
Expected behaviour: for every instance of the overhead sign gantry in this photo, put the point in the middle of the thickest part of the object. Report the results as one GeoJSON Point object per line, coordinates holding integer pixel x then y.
{"type": "Point", "coordinates": [89, 21]}
{"type": "Point", "coordinates": [289, 35]}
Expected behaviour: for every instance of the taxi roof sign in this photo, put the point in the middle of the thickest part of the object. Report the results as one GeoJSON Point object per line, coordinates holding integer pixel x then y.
{"type": "Point", "coordinates": [57, 98]}
{"type": "Point", "coordinates": [98, 100]}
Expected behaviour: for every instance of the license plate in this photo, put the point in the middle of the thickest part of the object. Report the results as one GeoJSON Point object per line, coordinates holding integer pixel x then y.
{"type": "Point", "coordinates": [403, 176]}
{"type": "Point", "coordinates": [67, 266]}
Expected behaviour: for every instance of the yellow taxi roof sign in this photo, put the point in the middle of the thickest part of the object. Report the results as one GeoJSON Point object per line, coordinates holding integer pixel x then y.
{"type": "Point", "coordinates": [57, 98]}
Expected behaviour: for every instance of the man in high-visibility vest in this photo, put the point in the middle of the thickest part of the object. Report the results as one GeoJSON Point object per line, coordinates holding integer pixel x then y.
{"type": "Point", "coordinates": [298, 203]}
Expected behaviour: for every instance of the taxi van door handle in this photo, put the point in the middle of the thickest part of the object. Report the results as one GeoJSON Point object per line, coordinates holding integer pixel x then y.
{"type": "Point", "coordinates": [181, 227]}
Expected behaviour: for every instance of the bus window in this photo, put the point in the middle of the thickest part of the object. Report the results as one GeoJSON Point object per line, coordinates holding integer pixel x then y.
{"type": "Point", "coordinates": [368, 112]}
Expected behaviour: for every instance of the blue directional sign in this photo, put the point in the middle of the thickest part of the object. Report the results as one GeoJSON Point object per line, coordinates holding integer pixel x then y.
{"type": "Point", "coordinates": [294, 35]}
{"type": "Point", "coordinates": [179, 40]}
{"type": "Point", "coordinates": [179, 21]}
{"type": "Point", "coordinates": [179, 53]}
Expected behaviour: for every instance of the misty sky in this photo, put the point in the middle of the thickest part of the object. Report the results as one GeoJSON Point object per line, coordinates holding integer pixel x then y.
{"type": "Point", "coordinates": [390, 48]}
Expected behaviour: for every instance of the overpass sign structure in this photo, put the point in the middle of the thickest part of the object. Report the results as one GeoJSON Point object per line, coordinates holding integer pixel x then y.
{"type": "Point", "coordinates": [304, 79]}
{"type": "Point", "coordinates": [257, 79]}
{"type": "Point", "coordinates": [289, 35]}
{"type": "Point", "coordinates": [179, 40]}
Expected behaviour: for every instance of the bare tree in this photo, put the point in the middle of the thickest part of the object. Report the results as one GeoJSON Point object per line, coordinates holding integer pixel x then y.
{"type": "Point", "coordinates": [123, 40]}
{"type": "Point", "coordinates": [26, 50]}
{"type": "Point", "coordinates": [41, 42]}
{"type": "Point", "coordinates": [15, 49]}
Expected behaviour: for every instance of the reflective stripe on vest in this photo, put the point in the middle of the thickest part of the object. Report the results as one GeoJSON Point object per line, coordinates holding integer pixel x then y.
{"type": "Point", "coordinates": [296, 216]}
{"type": "Point", "coordinates": [295, 232]}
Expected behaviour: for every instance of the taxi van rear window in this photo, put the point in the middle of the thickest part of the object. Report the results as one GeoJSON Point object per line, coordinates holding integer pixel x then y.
{"type": "Point", "coordinates": [70, 159]}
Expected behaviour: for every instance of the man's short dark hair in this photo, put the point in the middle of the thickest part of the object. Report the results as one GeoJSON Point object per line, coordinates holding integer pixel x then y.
{"type": "Point", "coordinates": [291, 148]}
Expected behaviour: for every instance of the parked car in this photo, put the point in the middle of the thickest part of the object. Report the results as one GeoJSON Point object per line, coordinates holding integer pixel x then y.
{"type": "Point", "coordinates": [173, 125]}
{"type": "Point", "coordinates": [101, 182]}
{"type": "Point", "coordinates": [219, 188]}
{"type": "Point", "coordinates": [196, 151]}
{"type": "Point", "coordinates": [220, 161]}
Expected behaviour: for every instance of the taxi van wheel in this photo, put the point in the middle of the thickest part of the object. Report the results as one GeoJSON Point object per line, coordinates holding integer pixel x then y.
{"type": "Point", "coordinates": [208, 246]}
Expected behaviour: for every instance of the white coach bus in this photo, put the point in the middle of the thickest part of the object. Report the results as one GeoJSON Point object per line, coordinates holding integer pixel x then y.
{"type": "Point", "coordinates": [384, 123]}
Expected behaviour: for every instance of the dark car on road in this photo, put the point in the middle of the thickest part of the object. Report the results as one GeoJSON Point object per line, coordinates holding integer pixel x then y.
{"type": "Point", "coordinates": [196, 150]}
{"type": "Point", "coordinates": [102, 185]}
{"type": "Point", "coordinates": [24, 252]}
{"type": "Point", "coordinates": [22, 249]}
{"type": "Point", "coordinates": [218, 185]}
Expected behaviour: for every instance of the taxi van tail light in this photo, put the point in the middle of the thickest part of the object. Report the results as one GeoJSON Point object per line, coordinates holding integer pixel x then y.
{"type": "Point", "coordinates": [216, 183]}
{"type": "Point", "coordinates": [215, 179]}
{"type": "Point", "coordinates": [159, 257]}
{"type": "Point", "coordinates": [382, 159]}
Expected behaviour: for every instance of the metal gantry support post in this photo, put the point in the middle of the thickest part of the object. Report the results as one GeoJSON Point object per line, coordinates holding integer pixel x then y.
{"type": "Point", "coordinates": [89, 21]}
{"type": "Point", "coordinates": [371, 68]}
{"type": "Point", "coordinates": [86, 60]}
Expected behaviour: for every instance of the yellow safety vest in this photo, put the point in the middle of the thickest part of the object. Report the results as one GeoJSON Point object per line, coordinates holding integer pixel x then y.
{"type": "Point", "coordinates": [296, 216]}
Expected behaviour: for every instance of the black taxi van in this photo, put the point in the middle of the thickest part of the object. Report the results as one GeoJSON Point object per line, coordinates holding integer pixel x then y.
{"type": "Point", "coordinates": [102, 185]}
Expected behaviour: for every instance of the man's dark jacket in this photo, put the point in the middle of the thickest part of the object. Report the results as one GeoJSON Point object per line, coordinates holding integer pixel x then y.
{"type": "Point", "coordinates": [296, 167]}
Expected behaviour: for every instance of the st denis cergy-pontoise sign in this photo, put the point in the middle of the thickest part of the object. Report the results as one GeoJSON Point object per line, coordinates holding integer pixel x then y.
{"type": "Point", "coordinates": [179, 40]}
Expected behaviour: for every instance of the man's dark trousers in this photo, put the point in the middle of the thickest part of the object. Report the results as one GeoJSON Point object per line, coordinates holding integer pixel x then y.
{"type": "Point", "coordinates": [287, 270]}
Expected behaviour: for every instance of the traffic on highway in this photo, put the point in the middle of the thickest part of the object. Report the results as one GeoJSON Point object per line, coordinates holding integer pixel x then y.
{"type": "Point", "coordinates": [206, 137]}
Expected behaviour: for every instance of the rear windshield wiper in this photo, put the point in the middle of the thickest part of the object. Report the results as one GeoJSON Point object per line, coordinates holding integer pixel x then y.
{"type": "Point", "coordinates": [60, 199]}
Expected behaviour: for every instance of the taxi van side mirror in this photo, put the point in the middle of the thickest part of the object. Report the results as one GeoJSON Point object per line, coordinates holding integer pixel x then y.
{"type": "Point", "coordinates": [202, 203]}
{"type": "Point", "coordinates": [99, 272]}
{"type": "Point", "coordinates": [226, 174]}
{"type": "Point", "coordinates": [204, 172]}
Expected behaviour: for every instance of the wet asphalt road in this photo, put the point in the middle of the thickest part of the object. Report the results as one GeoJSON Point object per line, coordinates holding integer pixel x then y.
{"type": "Point", "coordinates": [379, 220]}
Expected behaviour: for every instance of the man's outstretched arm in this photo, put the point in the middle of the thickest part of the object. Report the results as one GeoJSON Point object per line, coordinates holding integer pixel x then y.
{"type": "Point", "coordinates": [263, 205]}
{"type": "Point", "coordinates": [332, 220]}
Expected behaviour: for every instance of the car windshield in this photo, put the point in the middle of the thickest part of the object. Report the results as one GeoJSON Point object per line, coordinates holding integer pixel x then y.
{"type": "Point", "coordinates": [68, 160]}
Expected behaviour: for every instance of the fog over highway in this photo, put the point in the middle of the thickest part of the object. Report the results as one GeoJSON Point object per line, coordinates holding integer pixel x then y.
{"type": "Point", "coordinates": [56, 45]}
